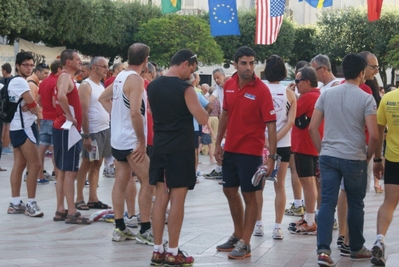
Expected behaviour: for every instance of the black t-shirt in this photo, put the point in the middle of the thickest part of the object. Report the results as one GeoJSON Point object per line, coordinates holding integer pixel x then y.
{"type": "Point", "coordinates": [173, 122]}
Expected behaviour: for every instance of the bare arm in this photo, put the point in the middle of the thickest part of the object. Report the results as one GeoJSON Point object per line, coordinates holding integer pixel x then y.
{"type": "Point", "coordinates": [291, 116]}
{"type": "Point", "coordinates": [64, 85]}
{"type": "Point", "coordinates": [39, 99]}
{"type": "Point", "coordinates": [378, 167]}
{"type": "Point", "coordinates": [314, 125]}
{"type": "Point", "coordinates": [371, 123]}
{"type": "Point", "coordinates": [272, 146]}
{"type": "Point", "coordinates": [223, 120]}
{"type": "Point", "coordinates": [106, 98]}
{"type": "Point", "coordinates": [84, 95]}
{"type": "Point", "coordinates": [195, 107]}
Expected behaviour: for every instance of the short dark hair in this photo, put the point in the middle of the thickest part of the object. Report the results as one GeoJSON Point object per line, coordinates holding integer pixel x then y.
{"type": "Point", "coordinates": [6, 67]}
{"type": "Point", "coordinates": [352, 65]}
{"type": "Point", "coordinates": [21, 57]}
{"type": "Point", "coordinates": [184, 55]}
{"type": "Point", "coordinates": [67, 54]}
{"type": "Point", "coordinates": [275, 70]}
{"type": "Point", "coordinates": [41, 66]}
{"type": "Point", "coordinates": [137, 54]}
{"type": "Point", "coordinates": [301, 64]}
{"type": "Point", "coordinates": [309, 74]}
{"type": "Point", "coordinates": [244, 51]}
{"type": "Point", "coordinates": [55, 66]}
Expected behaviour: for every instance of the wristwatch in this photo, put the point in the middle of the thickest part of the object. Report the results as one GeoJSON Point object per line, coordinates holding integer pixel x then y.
{"type": "Point", "coordinates": [86, 136]}
{"type": "Point", "coordinates": [273, 156]}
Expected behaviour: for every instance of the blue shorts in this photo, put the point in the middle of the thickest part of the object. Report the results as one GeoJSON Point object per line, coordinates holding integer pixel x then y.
{"type": "Point", "coordinates": [206, 139]}
{"type": "Point", "coordinates": [65, 160]}
{"type": "Point", "coordinates": [46, 132]}
{"type": "Point", "coordinates": [19, 137]}
{"type": "Point", "coordinates": [238, 170]}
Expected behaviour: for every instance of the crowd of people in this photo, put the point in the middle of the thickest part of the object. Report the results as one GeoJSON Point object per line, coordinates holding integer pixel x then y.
{"type": "Point", "coordinates": [335, 138]}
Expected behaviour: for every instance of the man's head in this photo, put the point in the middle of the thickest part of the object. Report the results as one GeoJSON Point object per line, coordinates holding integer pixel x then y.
{"type": "Point", "coordinates": [372, 65]}
{"type": "Point", "coordinates": [138, 54]}
{"type": "Point", "coordinates": [205, 88]}
{"type": "Point", "coordinates": [353, 66]}
{"type": "Point", "coordinates": [6, 70]}
{"type": "Point", "coordinates": [160, 72]}
{"type": "Point", "coordinates": [218, 76]}
{"type": "Point", "coordinates": [244, 62]}
{"type": "Point", "coordinates": [56, 67]}
{"type": "Point", "coordinates": [98, 67]}
{"type": "Point", "coordinates": [300, 65]}
{"type": "Point", "coordinates": [117, 68]}
{"type": "Point", "coordinates": [42, 71]}
{"type": "Point", "coordinates": [275, 70]}
{"type": "Point", "coordinates": [85, 71]}
{"type": "Point", "coordinates": [322, 66]}
{"type": "Point", "coordinates": [24, 64]}
{"type": "Point", "coordinates": [70, 60]}
{"type": "Point", "coordinates": [306, 79]}
{"type": "Point", "coordinates": [197, 79]}
{"type": "Point", "coordinates": [151, 73]}
{"type": "Point", "coordinates": [186, 61]}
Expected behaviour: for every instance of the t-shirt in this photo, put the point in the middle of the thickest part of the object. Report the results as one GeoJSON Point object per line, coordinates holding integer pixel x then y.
{"type": "Point", "coordinates": [16, 88]}
{"type": "Point", "coordinates": [344, 110]}
{"type": "Point", "coordinates": [109, 81]}
{"type": "Point", "coordinates": [46, 92]}
{"type": "Point", "coordinates": [219, 94]}
{"type": "Point", "coordinates": [249, 108]}
{"type": "Point", "coordinates": [173, 122]}
{"type": "Point", "coordinates": [388, 114]}
{"type": "Point", "coordinates": [301, 141]}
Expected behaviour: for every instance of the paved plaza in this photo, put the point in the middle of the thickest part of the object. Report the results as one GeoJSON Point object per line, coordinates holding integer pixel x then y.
{"type": "Point", "coordinates": [29, 241]}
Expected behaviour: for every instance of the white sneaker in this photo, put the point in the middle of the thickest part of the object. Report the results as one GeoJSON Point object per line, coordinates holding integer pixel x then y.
{"type": "Point", "coordinates": [33, 210]}
{"type": "Point", "coordinates": [258, 231]}
{"type": "Point", "coordinates": [278, 234]}
{"type": "Point", "coordinates": [130, 222]}
{"type": "Point", "coordinates": [126, 234]}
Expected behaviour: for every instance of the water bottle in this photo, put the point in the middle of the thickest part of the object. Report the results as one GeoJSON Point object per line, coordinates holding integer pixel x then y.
{"type": "Point", "coordinates": [93, 155]}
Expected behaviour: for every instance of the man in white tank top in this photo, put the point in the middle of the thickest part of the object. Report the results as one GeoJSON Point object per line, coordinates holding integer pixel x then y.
{"type": "Point", "coordinates": [95, 127]}
{"type": "Point", "coordinates": [322, 65]}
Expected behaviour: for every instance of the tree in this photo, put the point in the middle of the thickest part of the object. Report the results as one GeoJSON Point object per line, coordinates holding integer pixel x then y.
{"type": "Point", "coordinates": [304, 44]}
{"type": "Point", "coordinates": [170, 33]}
{"type": "Point", "coordinates": [393, 56]}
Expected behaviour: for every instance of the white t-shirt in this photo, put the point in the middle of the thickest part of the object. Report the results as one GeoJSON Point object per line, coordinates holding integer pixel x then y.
{"type": "Point", "coordinates": [218, 93]}
{"type": "Point", "coordinates": [16, 88]}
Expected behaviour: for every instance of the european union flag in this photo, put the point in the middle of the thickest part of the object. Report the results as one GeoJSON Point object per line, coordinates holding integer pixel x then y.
{"type": "Point", "coordinates": [223, 17]}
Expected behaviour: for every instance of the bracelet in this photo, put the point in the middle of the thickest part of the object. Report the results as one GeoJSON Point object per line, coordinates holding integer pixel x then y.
{"type": "Point", "coordinates": [377, 160]}
{"type": "Point", "coordinates": [32, 105]}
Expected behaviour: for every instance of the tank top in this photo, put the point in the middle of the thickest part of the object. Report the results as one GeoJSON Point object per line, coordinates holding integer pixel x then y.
{"type": "Point", "coordinates": [281, 107]}
{"type": "Point", "coordinates": [123, 136]}
{"type": "Point", "coordinates": [97, 115]}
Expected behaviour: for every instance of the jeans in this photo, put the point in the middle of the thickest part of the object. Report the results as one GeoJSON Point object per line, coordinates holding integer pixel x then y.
{"type": "Point", "coordinates": [354, 173]}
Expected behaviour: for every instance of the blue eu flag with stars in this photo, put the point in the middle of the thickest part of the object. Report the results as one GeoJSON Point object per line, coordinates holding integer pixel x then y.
{"type": "Point", "coordinates": [223, 17]}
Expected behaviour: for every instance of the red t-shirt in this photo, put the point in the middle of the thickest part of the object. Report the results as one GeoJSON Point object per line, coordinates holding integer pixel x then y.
{"type": "Point", "coordinates": [74, 101]}
{"type": "Point", "coordinates": [150, 131]}
{"type": "Point", "coordinates": [300, 138]}
{"type": "Point", "coordinates": [249, 108]}
{"type": "Point", "coordinates": [46, 91]}
{"type": "Point", "coordinates": [109, 81]}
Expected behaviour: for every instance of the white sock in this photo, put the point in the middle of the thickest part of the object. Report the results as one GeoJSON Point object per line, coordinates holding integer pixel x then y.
{"type": "Point", "coordinates": [277, 225]}
{"type": "Point", "coordinates": [30, 200]}
{"type": "Point", "coordinates": [174, 251]}
{"type": "Point", "coordinates": [158, 248]}
{"type": "Point", "coordinates": [297, 203]}
{"type": "Point", "coordinates": [16, 200]}
{"type": "Point", "coordinates": [260, 222]}
{"type": "Point", "coordinates": [309, 218]}
{"type": "Point", "coordinates": [381, 237]}
{"type": "Point", "coordinates": [218, 168]}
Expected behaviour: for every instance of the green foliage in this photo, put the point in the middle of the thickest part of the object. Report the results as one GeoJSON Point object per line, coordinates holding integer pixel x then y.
{"type": "Point", "coordinates": [170, 33]}
{"type": "Point", "coordinates": [393, 52]}
{"type": "Point", "coordinates": [304, 44]}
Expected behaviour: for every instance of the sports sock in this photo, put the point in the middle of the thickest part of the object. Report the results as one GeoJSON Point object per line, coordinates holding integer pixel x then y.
{"type": "Point", "coordinates": [30, 200]}
{"type": "Point", "coordinates": [159, 248]}
{"type": "Point", "coordinates": [120, 223]}
{"type": "Point", "coordinates": [16, 200]}
{"type": "Point", "coordinates": [144, 227]}
{"type": "Point", "coordinates": [297, 203]}
{"type": "Point", "coordinates": [277, 225]}
{"type": "Point", "coordinates": [174, 251]}
{"type": "Point", "coordinates": [309, 218]}
{"type": "Point", "coordinates": [260, 222]}
{"type": "Point", "coordinates": [381, 237]}
{"type": "Point", "coordinates": [218, 168]}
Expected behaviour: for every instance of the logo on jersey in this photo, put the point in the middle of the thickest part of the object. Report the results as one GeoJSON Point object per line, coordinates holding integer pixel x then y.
{"type": "Point", "coordinates": [249, 96]}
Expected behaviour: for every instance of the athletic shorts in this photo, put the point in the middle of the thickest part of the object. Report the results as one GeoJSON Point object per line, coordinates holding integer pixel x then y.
{"type": "Point", "coordinates": [46, 133]}
{"type": "Point", "coordinates": [206, 139]}
{"type": "Point", "coordinates": [196, 139]}
{"type": "Point", "coordinates": [121, 155]}
{"type": "Point", "coordinates": [65, 160]}
{"type": "Point", "coordinates": [103, 142]}
{"type": "Point", "coordinates": [19, 137]}
{"type": "Point", "coordinates": [284, 153]}
{"type": "Point", "coordinates": [391, 172]}
{"type": "Point", "coordinates": [176, 169]}
{"type": "Point", "coordinates": [306, 165]}
{"type": "Point", "coordinates": [238, 170]}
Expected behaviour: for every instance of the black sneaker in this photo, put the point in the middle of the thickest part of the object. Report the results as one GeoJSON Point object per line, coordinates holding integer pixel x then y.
{"type": "Point", "coordinates": [344, 250]}
{"type": "Point", "coordinates": [213, 175]}
{"type": "Point", "coordinates": [340, 241]}
{"type": "Point", "coordinates": [229, 245]}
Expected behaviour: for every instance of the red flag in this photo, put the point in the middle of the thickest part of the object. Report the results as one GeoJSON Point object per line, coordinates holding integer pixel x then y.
{"type": "Point", "coordinates": [269, 17]}
{"type": "Point", "coordinates": [374, 9]}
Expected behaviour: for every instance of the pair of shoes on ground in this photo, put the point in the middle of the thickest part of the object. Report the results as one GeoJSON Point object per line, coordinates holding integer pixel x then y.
{"type": "Point", "coordinates": [237, 248]}
{"type": "Point", "coordinates": [295, 211]}
{"type": "Point", "coordinates": [127, 234]}
{"type": "Point", "coordinates": [31, 209]}
{"type": "Point", "coordinates": [213, 175]}
{"type": "Point", "coordinates": [168, 259]}
{"type": "Point", "coordinates": [81, 205]}
{"type": "Point", "coordinates": [277, 232]}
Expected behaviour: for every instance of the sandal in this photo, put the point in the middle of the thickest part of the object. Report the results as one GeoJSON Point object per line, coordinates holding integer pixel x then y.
{"type": "Point", "coordinates": [98, 205]}
{"type": "Point", "coordinates": [81, 205]}
{"type": "Point", "coordinates": [77, 219]}
{"type": "Point", "coordinates": [61, 216]}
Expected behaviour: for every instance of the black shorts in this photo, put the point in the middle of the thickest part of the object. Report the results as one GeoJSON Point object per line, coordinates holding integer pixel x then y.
{"type": "Point", "coordinates": [65, 159]}
{"type": "Point", "coordinates": [238, 170]}
{"type": "Point", "coordinates": [391, 172]}
{"type": "Point", "coordinates": [176, 169]}
{"type": "Point", "coordinates": [306, 165]}
{"type": "Point", "coordinates": [196, 139]}
{"type": "Point", "coordinates": [18, 137]}
{"type": "Point", "coordinates": [284, 153]}
{"type": "Point", "coordinates": [121, 155]}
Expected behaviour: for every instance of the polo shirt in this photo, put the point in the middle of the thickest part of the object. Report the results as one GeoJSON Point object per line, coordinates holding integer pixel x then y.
{"type": "Point", "coordinates": [249, 108]}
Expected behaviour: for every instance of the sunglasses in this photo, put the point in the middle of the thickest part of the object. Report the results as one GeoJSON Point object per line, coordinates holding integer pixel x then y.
{"type": "Point", "coordinates": [299, 80]}
{"type": "Point", "coordinates": [43, 65]}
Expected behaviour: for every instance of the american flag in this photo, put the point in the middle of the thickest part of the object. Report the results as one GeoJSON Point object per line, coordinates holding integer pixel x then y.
{"type": "Point", "coordinates": [269, 17]}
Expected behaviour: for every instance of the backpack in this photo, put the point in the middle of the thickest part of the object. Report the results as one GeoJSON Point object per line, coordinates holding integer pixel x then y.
{"type": "Point", "coordinates": [7, 108]}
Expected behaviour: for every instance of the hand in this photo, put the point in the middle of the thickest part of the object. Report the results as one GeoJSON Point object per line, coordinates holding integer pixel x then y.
{"type": "Point", "coordinates": [87, 144]}
{"type": "Point", "coordinates": [270, 166]}
{"type": "Point", "coordinates": [291, 86]}
{"type": "Point", "coordinates": [139, 153]}
{"type": "Point", "coordinates": [219, 154]}
{"type": "Point", "coordinates": [72, 119]}
{"type": "Point", "coordinates": [378, 170]}
{"type": "Point", "coordinates": [25, 108]}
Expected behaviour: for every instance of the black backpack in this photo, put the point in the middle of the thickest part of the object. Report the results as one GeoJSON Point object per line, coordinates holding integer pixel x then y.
{"type": "Point", "coordinates": [7, 108]}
